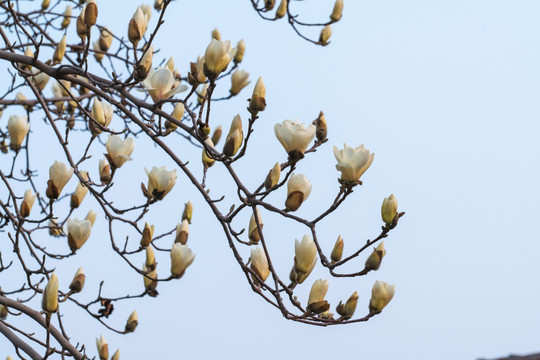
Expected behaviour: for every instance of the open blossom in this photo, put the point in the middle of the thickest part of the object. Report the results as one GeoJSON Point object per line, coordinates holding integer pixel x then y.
{"type": "Point", "coordinates": [78, 233]}
{"type": "Point", "coordinates": [298, 190]}
{"type": "Point", "coordinates": [118, 150]}
{"type": "Point", "coordinates": [181, 258]}
{"type": "Point", "coordinates": [159, 83]}
{"type": "Point", "coordinates": [259, 263]}
{"type": "Point", "coordinates": [353, 162]}
{"type": "Point", "coordinates": [294, 136]}
{"type": "Point", "coordinates": [160, 182]}
{"type": "Point", "coordinates": [381, 294]}
{"type": "Point", "coordinates": [59, 175]}
{"type": "Point", "coordinates": [18, 127]}
{"type": "Point", "coordinates": [217, 57]}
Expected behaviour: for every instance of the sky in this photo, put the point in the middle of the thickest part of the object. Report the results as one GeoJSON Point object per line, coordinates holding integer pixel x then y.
{"type": "Point", "coordinates": [446, 96]}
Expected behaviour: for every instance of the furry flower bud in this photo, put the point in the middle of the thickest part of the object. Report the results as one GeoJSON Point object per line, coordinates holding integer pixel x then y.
{"type": "Point", "coordinates": [298, 190]}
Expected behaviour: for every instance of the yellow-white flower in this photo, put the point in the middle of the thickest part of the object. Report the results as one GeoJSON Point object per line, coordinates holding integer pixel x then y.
{"type": "Point", "coordinates": [374, 260]}
{"type": "Point", "coordinates": [77, 283]}
{"type": "Point", "coordinates": [381, 294]}
{"type": "Point", "coordinates": [188, 211]}
{"type": "Point", "coordinates": [59, 175]}
{"type": "Point", "coordinates": [102, 347]}
{"type": "Point", "coordinates": [118, 150]}
{"type": "Point", "coordinates": [217, 57]}
{"type": "Point", "coordinates": [294, 137]}
{"type": "Point", "coordinates": [91, 216]}
{"type": "Point", "coordinates": [298, 190]}
{"type": "Point", "coordinates": [182, 232]}
{"type": "Point", "coordinates": [326, 32]}
{"type": "Point", "coordinates": [105, 39]}
{"type": "Point", "coordinates": [389, 209]}
{"type": "Point", "coordinates": [181, 258]}
{"type": "Point", "coordinates": [259, 263]}
{"type": "Point", "coordinates": [337, 251]}
{"type": "Point", "coordinates": [67, 17]}
{"type": "Point", "coordinates": [258, 100]}
{"type": "Point", "coordinates": [18, 127]}
{"type": "Point", "coordinates": [59, 52]}
{"type": "Point", "coordinates": [234, 138]}
{"type": "Point", "coordinates": [27, 203]}
{"type": "Point", "coordinates": [216, 34]}
{"type": "Point", "coordinates": [353, 162]}
{"type": "Point", "coordinates": [273, 176]}
{"type": "Point", "coordinates": [102, 114]}
{"type": "Point", "coordinates": [282, 9]}
{"type": "Point", "coordinates": [104, 171]}
{"type": "Point", "coordinates": [316, 302]}
{"type": "Point", "coordinates": [160, 84]}
{"type": "Point", "coordinates": [253, 231]}
{"type": "Point", "coordinates": [78, 233]}
{"type": "Point", "coordinates": [39, 79]}
{"type": "Point", "coordinates": [206, 159]}
{"type": "Point", "coordinates": [137, 25]}
{"type": "Point", "coordinates": [150, 281]}
{"type": "Point", "coordinates": [80, 192]}
{"type": "Point", "coordinates": [336, 12]}
{"type": "Point", "coordinates": [49, 303]}
{"type": "Point", "coordinates": [239, 80]}
{"type": "Point", "coordinates": [240, 51]}
{"type": "Point", "coordinates": [160, 182]}
{"type": "Point", "coordinates": [116, 355]}
{"type": "Point", "coordinates": [305, 257]}
{"type": "Point", "coordinates": [132, 322]}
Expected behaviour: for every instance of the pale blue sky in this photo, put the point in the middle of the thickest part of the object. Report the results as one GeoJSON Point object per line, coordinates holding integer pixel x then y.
{"type": "Point", "coordinates": [446, 95]}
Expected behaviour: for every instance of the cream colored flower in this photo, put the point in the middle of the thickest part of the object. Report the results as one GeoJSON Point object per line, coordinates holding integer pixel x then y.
{"type": "Point", "coordinates": [239, 80]}
{"type": "Point", "coordinates": [104, 171]}
{"type": "Point", "coordinates": [118, 150]}
{"type": "Point", "coordinates": [116, 355]}
{"type": "Point", "coordinates": [188, 211]}
{"type": "Point", "coordinates": [217, 57]}
{"type": "Point", "coordinates": [352, 162]}
{"type": "Point", "coordinates": [337, 251]}
{"type": "Point", "coordinates": [294, 137]}
{"type": "Point", "coordinates": [305, 258]}
{"type": "Point", "coordinates": [181, 258]}
{"type": "Point", "coordinates": [347, 310]}
{"type": "Point", "coordinates": [389, 209]}
{"type": "Point", "coordinates": [381, 294]}
{"type": "Point", "coordinates": [259, 263]}
{"type": "Point", "coordinates": [18, 127]}
{"type": "Point", "coordinates": [160, 182]}
{"type": "Point", "coordinates": [326, 32]}
{"type": "Point", "coordinates": [273, 177]}
{"type": "Point", "coordinates": [150, 281]}
{"type": "Point", "coordinates": [39, 79]}
{"type": "Point", "coordinates": [240, 51]}
{"type": "Point", "coordinates": [282, 9]}
{"type": "Point", "coordinates": [182, 232]}
{"type": "Point", "coordinates": [206, 159]}
{"type": "Point", "coordinates": [78, 232]}
{"type": "Point", "coordinates": [137, 26]}
{"type": "Point", "coordinates": [374, 260]}
{"type": "Point", "coordinates": [258, 100]}
{"type": "Point", "coordinates": [77, 283]}
{"type": "Point", "coordinates": [253, 230]}
{"type": "Point", "coordinates": [316, 302]}
{"type": "Point", "coordinates": [80, 192]}
{"type": "Point", "coordinates": [60, 50]}
{"type": "Point", "coordinates": [102, 347]}
{"type": "Point", "coordinates": [216, 34]}
{"type": "Point", "coordinates": [105, 39]}
{"type": "Point", "coordinates": [91, 216]}
{"type": "Point", "coordinates": [132, 322]}
{"type": "Point", "coordinates": [59, 175]}
{"type": "Point", "coordinates": [67, 17]}
{"type": "Point", "coordinates": [234, 138]}
{"type": "Point", "coordinates": [90, 12]}
{"type": "Point", "coordinates": [337, 11]}
{"type": "Point", "coordinates": [159, 84]}
{"type": "Point", "coordinates": [298, 190]}
{"type": "Point", "coordinates": [27, 203]}
{"type": "Point", "coordinates": [49, 303]}
{"type": "Point", "coordinates": [150, 258]}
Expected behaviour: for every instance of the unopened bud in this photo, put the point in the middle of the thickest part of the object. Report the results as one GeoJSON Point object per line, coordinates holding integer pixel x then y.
{"type": "Point", "coordinates": [326, 32]}
{"type": "Point", "coordinates": [216, 135]}
{"type": "Point", "coordinates": [254, 230]}
{"type": "Point", "coordinates": [347, 310]}
{"type": "Point", "coordinates": [77, 283]}
{"type": "Point", "coordinates": [90, 13]}
{"type": "Point", "coordinates": [389, 209]}
{"type": "Point", "coordinates": [3, 313]}
{"type": "Point", "coordinates": [216, 34]}
{"type": "Point", "coordinates": [240, 51]}
{"type": "Point", "coordinates": [80, 192]}
{"type": "Point", "coordinates": [188, 211]}
{"type": "Point", "coordinates": [45, 4]}
{"type": "Point", "coordinates": [321, 127]}
{"type": "Point", "coordinates": [258, 102]}
{"type": "Point", "coordinates": [27, 203]}
{"type": "Point", "coordinates": [60, 51]}
{"type": "Point", "coordinates": [273, 177]}
{"type": "Point", "coordinates": [67, 17]}
{"type": "Point", "coordinates": [269, 4]}
{"type": "Point", "coordinates": [206, 159]}
{"type": "Point", "coordinates": [150, 258]}
{"type": "Point", "coordinates": [337, 11]}
{"type": "Point", "coordinates": [148, 234]}
{"type": "Point", "coordinates": [282, 9]}
{"type": "Point", "coordinates": [132, 322]}
{"type": "Point", "coordinates": [104, 171]}
{"type": "Point", "coordinates": [91, 216]}
{"type": "Point", "coordinates": [337, 252]}
{"type": "Point", "coordinates": [182, 232]}
{"type": "Point", "coordinates": [374, 260]}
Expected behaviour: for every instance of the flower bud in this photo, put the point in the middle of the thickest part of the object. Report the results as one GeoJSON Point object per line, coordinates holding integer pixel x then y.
{"type": "Point", "coordinates": [118, 150]}
{"type": "Point", "coordinates": [197, 72]}
{"type": "Point", "coordinates": [60, 51]}
{"type": "Point", "coordinates": [254, 236]}
{"type": "Point", "coordinates": [147, 235]}
{"type": "Point", "coordinates": [116, 355]}
{"type": "Point", "coordinates": [3, 315]}
{"type": "Point", "coordinates": [102, 347]}
{"type": "Point", "coordinates": [77, 283]}
{"type": "Point", "coordinates": [49, 303]}
{"type": "Point", "coordinates": [273, 177]}
{"type": "Point", "coordinates": [316, 302]}
{"type": "Point", "coordinates": [389, 209]}
{"type": "Point", "coordinates": [305, 258]}
{"type": "Point", "coordinates": [78, 233]}
{"type": "Point", "coordinates": [27, 203]}
{"type": "Point", "coordinates": [337, 252]}
{"type": "Point", "coordinates": [188, 211]}
{"type": "Point", "coordinates": [239, 80]}
{"type": "Point", "coordinates": [147, 11]}
{"type": "Point", "coordinates": [206, 159]}
{"type": "Point", "coordinates": [90, 13]}
{"type": "Point", "coordinates": [132, 322]}
{"type": "Point", "coordinates": [217, 57]}
{"type": "Point", "coordinates": [150, 258]}
{"type": "Point", "coordinates": [259, 263]}
{"type": "Point", "coordinates": [336, 12]}
{"type": "Point", "coordinates": [216, 135]}
{"type": "Point", "coordinates": [182, 232]}
{"type": "Point", "coordinates": [298, 190]}
{"type": "Point", "coordinates": [216, 34]}
{"type": "Point", "coordinates": [137, 26]}
{"type": "Point", "coordinates": [181, 258]}
{"type": "Point", "coordinates": [234, 138]}
{"type": "Point", "coordinates": [98, 54]}
{"type": "Point", "coordinates": [381, 294]}
{"type": "Point", "coordinates": [54, 229]}
{"type": "Point", "coordinates": [269, 4]}
{"type": "Point", "coordinates": [39, 79]}
{"type": "Point", "coordinates": [177, 114]}
{"type": "Point", "coordinates": [67, 17]}
{"type": "Point", "coordinates": [105, 39]}
{"type": "Point", "coordinates": [150, 281]}
{"type": "Point", "coordinates": [45, 4]}
{"type": "Point", "coordinates": [258, 102]}
{"type": "Point", "coordinates": [347, 310]}
{"type": "Point", "coordinates": [158, 5]}
{"type": "Point", "coordinates": [21, 97]}
{"type": "Point", "coordinates": [104, 171]}
{"type": "Point", "coordinates": [145, 65]}
{"type": "Point", "coordinates": [240, 51]}
{"type": "Point", "coordinates": [326, 32]}
{"type": "Point", "coordinates": [18, 127]}
{"type": "Point", "coordinates": [82, 30]}
{"type": "Point", "coordinates": [91, 216]}
{"type": "Point", "coordinates": [59, 175]}
{"type": "Point", "coordinates": [80, 192]}
{"type": "Point", "coordinates": [374, 260]}
{"type": "Point", "coordinates": [321, 129]}
{"type": "Point", "coordinates": [282, 9]}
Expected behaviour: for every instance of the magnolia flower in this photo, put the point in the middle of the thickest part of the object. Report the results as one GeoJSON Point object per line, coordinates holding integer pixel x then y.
{"type": "Point", "coordinates": [54, 229]}
{"type": "Point", "coordinates": [188, 212]}
{"type": "Point", "coordinates": [104, 171]}
{"type": "Point", "coordinates": [147, 235]}
{"type": "Point", "coordinates": [294, 137]}
{"type": "Point", "coordinates": [49, 303]}
{"type": "Point", "coordinates": [80, 192]}
{"type": "Point", "coordinates": [326, 32]}
{"type": "Point", "coordinates": [102, 114]}
{"type": "Point", "coordinates": [259, 263]}
{"type": "Point", "coordinates": [321, 127]}
{"type": "Point", "coordinates": [216, 135]}
{"type": "Point", "coordinates": [137, 26]}
{"type": "Point", "coordinates": [240, 50]}
{"type": "Point", "coordinates": [91, 216]}
{"type": "Point", "coordinates": [298, 190]}
{"type": "Point", "coordinates": [381, 294]}
{"type": "Point", "coordinates": [273, 177]}
{"type": "Point", "coordinates": [239, 80]}
{"type": "Point", "coordinates": [305, 258]}
{"type": "Point", "coordinates": [347, 310]}
{"type": "Point", "coordinates": [206, 159]}
{"type": "Point", "coordinates": [253, 231]}
{"type": "Point", "coordinates": [217, 57]}
{"type": "Point", "coordinates": [160, 182]}
{"type": "Point", "coordinates": [316, 302]}
{"type": "Point", "coordinates": [158, 5]}
{"type": "Point", "coordinates": [102, 347]}
{"type": "Point", "coordinates": [150, 281]}
{"type": "Point", "coordinates": [90, 12]}
{"type": "Point", "coordinates": [234, 138]}
{"type": "Point", "coordinates": [105, 39]}
{"type": "Point", "coordinates": [147, 11]}
{"type": "Point", "coordinates": [150, 258]}
{"type": "Point", "coordinates": [77, 283]}
{"type": "Point", "coordinates": [353, 162]}
{"type": "Point", "coordinates": [216, 34]}
{"type": "Point", "coordinates": [145, 64]}
{"type": "Point", "coordinates": [197, 70]}
{"type": "Point", "coordinates": [59, 175]}
{"type": "Point", "coordinates": [116, 355]}
{"type": "Point", "coordinates": [132, 322]}
{"type": "Point", "coordinates": [67, 17]}
{"type": "Point", "coordinates": [337, 251]}
{"type": "Point", "coordinates": [181, 258]}
{"type": "Point", "coordinates": [389, 209]}
{"type": "Point", "coordinates": [27, 203]}
{"type": "Point", "coordinates": [159, 84]}
{"type": "Point", "coordinates": [18, 127]}
{"type": "Point", "coordinates": [182, 232]}
{"type": "Point", "coordinates": [201, 94]}
{"type": "Point", "coordinates": [98, 55]}
{"type": "Point", "coordinates": [374, 260]}
{"type": "Point", "coordinates": [336, 12]}
{"type": "Point", "coordinates": [78, 232]}
{"type": "Point", "coordinates": [282, 9]}
{"type": "Point", "coordinates": [118, 150]}
{"type": "Point", "coordinates": [39, 79]}
{"type": "Point", "coordinates": [258, 101]}
{"type": "Point", "coordinates": [60, 50]}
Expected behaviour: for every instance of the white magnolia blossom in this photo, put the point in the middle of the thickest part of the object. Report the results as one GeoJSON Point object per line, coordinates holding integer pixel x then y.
{"type": "Point", "coordinates": [119, 150]}
{"type": "Point", "coordinates": [18, 127]}
{"type": "Point", "coordinates": [353, 162]}
{"type": "Point", "coordinates": [137, 25]}
{"type": "Point", "coordinates": [389, 209]}
{"type": "Point", "coordinates": [217, 57]}
{"type": "Point", "coordinates": [381, 294]}
{"type": "Point", "coordinates": [294, 136]}
{"type": "Point", "coordinates": [160, 182]}
{"type": "Point", "coordinates": [318, 291]}
{"type": "Point", "coordinates": [181, 258]}
{"type": "Point", "coordinates": [59, 175]}
{"type": "Point", "coordinates": [78, 232]}
{"type": "Point", "coordinates": [159, 83]}
{"type": "Point", "coordinates": [259, 263]}
{"type": "Point", "coordinates": [239, 80]}
{"type": "Point", "coordinates": [50, 295]}
{"type": "Point", "coordinates": [298, 190]}
{"type": "Point", "coordinates": [305, 257]}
